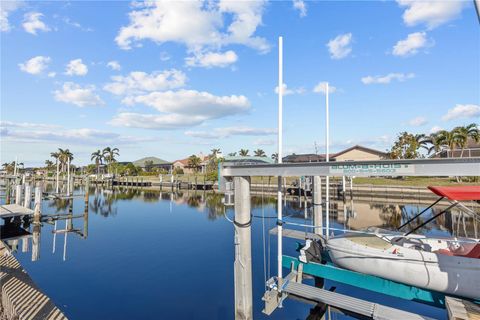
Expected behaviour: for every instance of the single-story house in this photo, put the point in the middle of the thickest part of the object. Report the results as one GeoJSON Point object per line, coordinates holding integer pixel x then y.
{"type": "Point", "coordinates": [355, 153]}
{"type": "Point", "coordinates": [153, 162]}
{"type": "Point", "coordinates": [184, 164]}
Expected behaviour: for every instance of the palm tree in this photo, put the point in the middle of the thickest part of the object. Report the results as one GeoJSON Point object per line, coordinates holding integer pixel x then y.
{"type": "Point", "coordinates": [275, 157]}
{"type": "Point", "coordinates": [243, 152]}
{"type": "Point", "coordinates": [215, 151]}
{"type": "Point", "coordinates": [109, 156]}
{"type": "Point", "coordinates": [64, 156]}
{"type": "Point", "coordinates": [259, 153]}
{"type": "Point", "coordinates": [98, 157]}
{"type": "Point", "coordinates": [194, 162]}
{"type": "Point", "coordinates": [449, 139]}
{"type": "Point", "coordinates": [48, 164]}
{"type": "Point", "coordinates": [232, 154]}
{"type": "Point", "coordinates": [464, 133]}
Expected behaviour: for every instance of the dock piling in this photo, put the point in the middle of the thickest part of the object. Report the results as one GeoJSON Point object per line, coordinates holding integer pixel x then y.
{"type": "Point", "coordinates": [243, 250]}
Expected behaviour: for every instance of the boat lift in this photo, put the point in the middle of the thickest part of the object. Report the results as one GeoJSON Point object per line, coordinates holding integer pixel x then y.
{"type": "Point", "coordinates": [281, 287]}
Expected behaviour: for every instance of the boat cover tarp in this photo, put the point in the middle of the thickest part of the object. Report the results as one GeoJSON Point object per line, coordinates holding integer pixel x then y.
{"type": "Point", "coordinates": [459, 193]}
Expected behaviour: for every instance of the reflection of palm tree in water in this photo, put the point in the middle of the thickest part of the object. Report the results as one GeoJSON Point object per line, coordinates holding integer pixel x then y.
{"type": "Point", "coordinates": [59, 204]}
{"type": "Point", "coordinates": [391, 214]}
{"type": "Point", "coordinates": [103, 204]}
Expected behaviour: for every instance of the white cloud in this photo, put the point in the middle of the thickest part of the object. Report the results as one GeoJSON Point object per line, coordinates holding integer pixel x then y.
{"type": "Point", "coordinates": [288, 91]}
{"type": "Point", "coordinates": [36, 132]}
{"type": "Point", "coordinates": [195, 23]}
{"type": "Point", "coordinates": [32, 23]}
{"type": "Point", "coordinates": [12, 124]}
{"type": "Point", "coordinates": [75, 24]}
{"type": "Point", "coordinates": [35, 65]}
{"type": "Point", "coordinates": [78, 95]}
{"type": "Point", "coordinates": [155, 121]}
{"type": "Point", "coordinates": [7, 7]}
{"type": "Point", "coordinates": [264, 142]}
{"type": "Point", "coordinates": [411, 45]}
{"type": "Point", "coordinates": [218, 133]}
{"type": "Point", "coordinates": [435, 129]}
{"type": "Point", "coordinates": [462, 111]}
{"type": "Point", "coordinates": [76, 68]}
{"type": "Point", "coordinates": [301, 7]}
{"type": "Point", "coordinates": [52, 74]}
{"type": "Point", "coordinates": [432, 13]}
{"type": "Point", "coordinates": [212, 59]}
{"type": "Point", "coordinates": [321, 87]}
{"type": "Point", "coordinates": [114, 65]}
{"type": "Point", "coordinates": [340, 47]}
{"type": "Point", "coordinates": [193, 103]}
{"type": "Point", "coordinates": [140, 82]}
{"type": "Point", "coordinates": [387, 78]}
{"type": "Point", "coordinates": [179, 109]}
{"type": "Point", "coordinates": [418, 121]}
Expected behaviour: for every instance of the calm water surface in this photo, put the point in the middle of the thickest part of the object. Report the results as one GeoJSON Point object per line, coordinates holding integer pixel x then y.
{"type": "Point", "coordinates": [142, 254]}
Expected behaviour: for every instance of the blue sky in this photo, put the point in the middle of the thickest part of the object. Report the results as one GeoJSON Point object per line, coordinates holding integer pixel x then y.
{"type": "Point", "coordinates": [170, 79]}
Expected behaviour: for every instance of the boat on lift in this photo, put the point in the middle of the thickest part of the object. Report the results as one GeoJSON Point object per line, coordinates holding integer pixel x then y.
{"type": "Point", "coordinates": [448, 265]}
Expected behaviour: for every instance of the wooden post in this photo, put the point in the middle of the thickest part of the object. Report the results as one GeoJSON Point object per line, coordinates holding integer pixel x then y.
{"type": "Point", "coordinates": [243, 250]}
{"type": "Point", "coordinates": [18, 194]}
{"type": "Point", "coordinates": [28, 196]}
{"type": "Point", "coordinates": [36, 224]}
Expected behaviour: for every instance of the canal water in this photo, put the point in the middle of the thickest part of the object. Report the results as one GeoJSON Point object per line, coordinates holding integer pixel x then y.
{"type": "Point", "coordinates": [146, 254]}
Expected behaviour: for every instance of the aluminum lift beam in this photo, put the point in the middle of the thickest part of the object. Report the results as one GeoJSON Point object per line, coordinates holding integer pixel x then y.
{"type": "Point", "coordinates": [392, 168]}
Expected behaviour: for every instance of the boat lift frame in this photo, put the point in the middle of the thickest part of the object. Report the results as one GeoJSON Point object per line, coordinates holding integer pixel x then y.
{"type": "Point", "coordinates": [240, 175]}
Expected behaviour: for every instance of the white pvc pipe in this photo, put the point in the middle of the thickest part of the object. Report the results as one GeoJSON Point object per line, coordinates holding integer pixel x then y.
{"type": "Point", "coordinates": [68, 177]}
{"type": "Point", "coordinates": [327, 158]}
{"type": "Point", "coordinates": [280, 152]}
{"type": "Point", "coordinates": [58, 176]}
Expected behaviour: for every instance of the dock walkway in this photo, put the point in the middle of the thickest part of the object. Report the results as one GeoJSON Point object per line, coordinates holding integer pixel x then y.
{"type": "Point", "coordinates": [20, 298]}
{"type": "Point", "coordinates": [14, 210]}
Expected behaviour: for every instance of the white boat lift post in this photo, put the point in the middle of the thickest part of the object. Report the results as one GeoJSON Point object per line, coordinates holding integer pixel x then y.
{"type": "Point", "coordinates": [327, 159]}
{"type": "Point", "coordinates": [279, 157]}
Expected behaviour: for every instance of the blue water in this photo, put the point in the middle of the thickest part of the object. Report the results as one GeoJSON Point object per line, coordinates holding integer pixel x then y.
{"type": "Point", "coordinates": [161, 256]}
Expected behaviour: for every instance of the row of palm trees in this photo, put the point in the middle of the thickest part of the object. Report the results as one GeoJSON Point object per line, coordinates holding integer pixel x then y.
{"type": "Point", "coordinates": [108, 155]}
{"type": "Point", "coordinates": [10, 167]}
{"type": "Point", "coordinates": [456, 138]}
{"type": "Point", "coordinates": [245, 153]}
{"type": "Point", "coordinates": [62, 158]}
{"type": "Point", "coordinates": [409, 145]}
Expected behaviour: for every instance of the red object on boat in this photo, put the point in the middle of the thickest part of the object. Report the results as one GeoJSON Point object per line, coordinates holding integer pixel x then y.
{"type": "Point", "coordinates": [459, 193]}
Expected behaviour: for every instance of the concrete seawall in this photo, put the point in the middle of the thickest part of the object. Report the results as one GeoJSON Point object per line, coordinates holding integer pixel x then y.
{"type": "Point", "coordinates": [20, 297]}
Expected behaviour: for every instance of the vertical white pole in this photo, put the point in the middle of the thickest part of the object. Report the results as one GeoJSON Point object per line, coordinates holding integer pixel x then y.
{"type": "Point", "coordinates": [68, 177]}
{"type": "Point", "coordinates": [280, 151]}
{"type": "Point", "coordinates": [58, 176]}
{"type": "Point", "coordinates": [18, 194]}
{"type": "Point", "coordinates": [327, 157]}
{"type": "Point", "coordinates": [28, 196]}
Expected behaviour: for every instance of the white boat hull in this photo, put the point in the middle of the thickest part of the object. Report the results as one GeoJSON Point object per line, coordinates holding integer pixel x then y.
{"type": "Point", "coordinates": [448, 274]}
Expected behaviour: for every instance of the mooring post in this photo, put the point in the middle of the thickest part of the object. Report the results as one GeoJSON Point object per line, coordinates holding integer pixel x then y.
{"type": "Point", "coordinates": [243, 250]}
{"type": "Point", "coordinates": [28, 196]}
{"type": "Point", "coordinates": [36, 223]}
{"type": "Point", "coordinates": [18, 194]}
{"type": "Point", "coordinates": [317, 205]}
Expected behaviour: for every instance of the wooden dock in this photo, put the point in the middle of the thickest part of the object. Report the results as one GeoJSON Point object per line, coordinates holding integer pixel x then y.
{"type": "Point", "coordinates": [14, 210]}
{"type": "Point", "coordinates": [21, 299]}
{"type": "Point", "coordinates": [462, 309]}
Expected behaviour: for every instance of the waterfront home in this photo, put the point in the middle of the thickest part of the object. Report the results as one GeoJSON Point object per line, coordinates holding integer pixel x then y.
{"type": "Point", "coordinates": [355, 153]}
